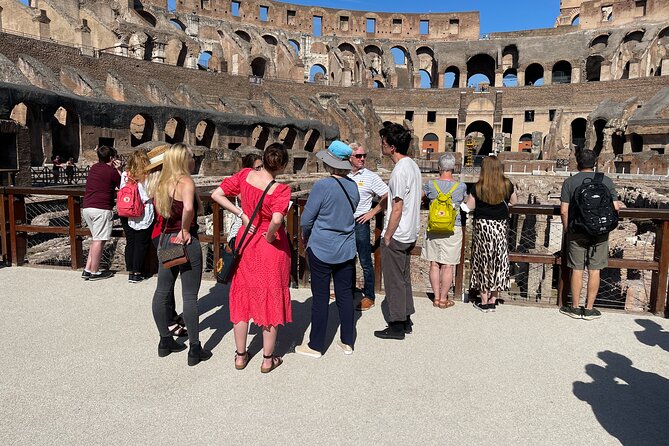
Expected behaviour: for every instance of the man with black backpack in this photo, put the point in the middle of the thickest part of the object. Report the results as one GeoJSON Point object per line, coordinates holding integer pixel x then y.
{"type": "Point", "coordinates": [589, 211]}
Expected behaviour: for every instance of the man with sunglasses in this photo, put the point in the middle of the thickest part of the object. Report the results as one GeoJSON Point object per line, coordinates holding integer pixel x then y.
{"type": "Point", "coordinates": [369, 186]}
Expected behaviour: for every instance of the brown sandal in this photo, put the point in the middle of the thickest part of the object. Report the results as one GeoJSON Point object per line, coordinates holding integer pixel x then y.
{"type": "Point", "coordinates": [276, 362]}
{"type": "Point", "coordinates": [448, 304]}
{"type": "Point", "coordinates": [246, 357]}
{"type": "Point", "coordinates": [435, 302]}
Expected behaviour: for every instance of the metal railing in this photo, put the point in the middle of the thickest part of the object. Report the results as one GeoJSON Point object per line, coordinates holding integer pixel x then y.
{"type": "Point", "coordinates": [45, 176]}
{"type": "Point", "coordinates": [44, 227]}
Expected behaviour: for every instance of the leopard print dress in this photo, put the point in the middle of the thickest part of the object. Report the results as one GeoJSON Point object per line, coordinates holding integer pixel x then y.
{"type": "Point", "coordinates": [490, 255]}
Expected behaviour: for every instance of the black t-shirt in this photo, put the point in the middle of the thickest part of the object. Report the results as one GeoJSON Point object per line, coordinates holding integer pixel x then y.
{"type": "Point", "coordinates": [487, 211]}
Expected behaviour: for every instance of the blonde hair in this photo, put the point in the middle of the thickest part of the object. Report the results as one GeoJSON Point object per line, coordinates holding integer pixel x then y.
{"type": "Point", "coordinates": [176, 165]}
{"type": "Point", "coordinates": [136, 164]}
{"type": "Point", "coordinates": [492, 187]}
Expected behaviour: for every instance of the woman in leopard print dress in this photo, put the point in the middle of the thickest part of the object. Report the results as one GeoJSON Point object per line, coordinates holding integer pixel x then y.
{"type": "Point", "coordinates": [490, 199]}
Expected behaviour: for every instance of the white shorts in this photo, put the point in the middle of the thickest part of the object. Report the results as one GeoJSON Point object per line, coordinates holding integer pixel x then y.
{"type": "Point", "coordinates": [99, 221]}
{"type": "Point", "coordinates": [442, 248]}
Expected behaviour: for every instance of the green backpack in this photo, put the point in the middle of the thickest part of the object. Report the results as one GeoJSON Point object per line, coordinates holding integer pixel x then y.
{"type": "Point", "coordinates": [441, 219]}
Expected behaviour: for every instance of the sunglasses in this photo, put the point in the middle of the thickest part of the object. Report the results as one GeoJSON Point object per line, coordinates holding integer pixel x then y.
{"type": "Point", "coordinates": [360, 155]}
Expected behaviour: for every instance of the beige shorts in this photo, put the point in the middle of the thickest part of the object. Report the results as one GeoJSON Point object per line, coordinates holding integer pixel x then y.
{"type": "Point", "coordinates": [444, 249]}
{"type": "Point", "coordinates": [99, 221]}
{"type": "Point", "coordinates": [584, 252]}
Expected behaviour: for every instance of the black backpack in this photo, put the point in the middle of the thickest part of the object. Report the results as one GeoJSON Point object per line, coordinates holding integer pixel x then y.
{"type": "Point", "coordinates": [592, 208]}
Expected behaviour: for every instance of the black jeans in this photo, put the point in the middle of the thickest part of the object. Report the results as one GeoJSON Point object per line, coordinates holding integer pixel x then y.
{"type": "Point", "coordinates": [136, 244]}
{"type": "Point", "coordinates": [364, 248]}
{"type": "Point", "coordinates": [342, 273]}
{"type": "Point", "coordinates": [396, 264]}
{"type": "Point", "coordinates": [172, 317]}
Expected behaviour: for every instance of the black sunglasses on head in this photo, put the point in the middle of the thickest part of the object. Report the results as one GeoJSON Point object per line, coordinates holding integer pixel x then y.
{"type": "Point", "coordinates": [360, 155]}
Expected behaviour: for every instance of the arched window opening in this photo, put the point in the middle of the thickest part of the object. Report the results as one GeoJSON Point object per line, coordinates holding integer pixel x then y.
{"type": "Point", "coordinates": [311, 139]}
{"type": "Point", "coordinates": [525, 143]}
{"type": "Point", "coordinates": [478, 81]}
{"type": "Point", "coordinates": [578, 127]}
{"type": "Point", "coordinates": [65, 134]}
{"type": "Point", "coordinates": [175, 131]}
{"type": "Point", "coordinates": [258, 66]}
{"type": "Point", "coordinates": [317, 73]}
{"type": "Point", "coordinates": [481, 64]}
{"type": "Point", "coordinates": [287, 137]}
{"type": "Point", "coordinates": [425, 79]}
{"type": "Point", "coordinates": [270, 40]}
{"type": "Point", "coordinates": [636, 143]}
{"type": "Point", "coordinates": [295, 46]}
{"type": "Point", "coordinates": [399, 55]}
{"type": "Point", "coordinates": [452, 77]}
{"type": "Point", "coordinates": [634, 36]}
{"type": "Point", "coordinates": [481, 131]}
{"type": "Point", "coordinates": [562, 72]}
{"type": "Point", "coordinates": [576, 20]}
{"type": "Point", "coordinates": [593, 68]}
{"type": "Point", "coordinates": [534, 75]}
{"type": "Point", "coordinates": [599, 42]}
{"type": "Point", "coordinates": [510, 57]}
{"type": "Point", "coordinates": [19, 114]}
{"type": "Point", "coordinates": [378, 84]}
{"type": "Point", "coordinates": [429, 145]}
{"type": "Point", "coordinates": [243, 35]}
{"type": "Point", "coordinates": [626, 71]}
{"type": "Point", "coordinates": [204, 133]}
{"type": "Point", "coordinates": [259, 137]}
{"type": "Point", "coordinates": [148, 17]}
{"type": "Point", "coordinates": [203, 60]}
{"type": "Point", "coordinates": [510, 78]}
{"type": "Point", "coordinates": [141, 130]}
{"type": "Point", "coordinates": [599, 135]}
{"type": "Point", "coordinates": [177, 24]}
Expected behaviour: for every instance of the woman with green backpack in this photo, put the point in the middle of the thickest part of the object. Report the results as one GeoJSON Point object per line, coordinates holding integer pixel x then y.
{"type": "Point", "coordinates": [443, 241]}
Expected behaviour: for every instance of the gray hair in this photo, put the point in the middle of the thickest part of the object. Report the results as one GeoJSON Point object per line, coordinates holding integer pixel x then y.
{"type": "Point", "coordinates": [446, 162]}
{"type": "Point", "coordinates": [332, 171]}
{"type": "Point", "coordinates": [354, 146]}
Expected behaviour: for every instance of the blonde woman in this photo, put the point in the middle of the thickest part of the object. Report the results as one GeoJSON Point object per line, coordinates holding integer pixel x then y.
{"type": "Point", "coordinates": [177, 202]}
{"type": "Point", "coordinates": [490, 199]}
{"type": "Point", "coordinates": [137, 229]}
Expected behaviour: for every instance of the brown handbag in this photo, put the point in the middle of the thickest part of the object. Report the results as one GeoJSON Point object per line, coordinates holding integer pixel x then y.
{"type": "Point", "coordinates": [171, 254]}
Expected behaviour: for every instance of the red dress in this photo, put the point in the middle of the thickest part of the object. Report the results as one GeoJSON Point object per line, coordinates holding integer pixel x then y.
{"type": "Point", "coordinates": [260, 286]}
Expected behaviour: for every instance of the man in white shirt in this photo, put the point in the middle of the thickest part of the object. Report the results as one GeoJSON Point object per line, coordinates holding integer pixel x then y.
{"type": "Point", "coordinates": [400, 231]}
{"type": "Point", "coordinates": [369, 186]}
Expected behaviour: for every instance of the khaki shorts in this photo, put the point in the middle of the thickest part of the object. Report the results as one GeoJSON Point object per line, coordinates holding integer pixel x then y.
{"type": "Point", "coordinates": [583, 251]}
{"type": "Point", "coordinates": [442, 248]}
{"type": "Point", "coordinates": [99, 221]}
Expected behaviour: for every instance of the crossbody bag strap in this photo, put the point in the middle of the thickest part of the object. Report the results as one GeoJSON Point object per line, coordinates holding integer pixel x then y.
{"type": "Point", "coordinates": [239, 245]}
{"type": "Point", "coordinates": [345, 193]}
{"type": "Point", "coordinates": [166, 220]}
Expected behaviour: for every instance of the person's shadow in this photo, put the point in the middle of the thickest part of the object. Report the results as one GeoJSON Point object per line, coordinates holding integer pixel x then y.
{"type": "Point", "coordinates": [653, 335]}
{"type": "Point", "coordinates": [629, 403]}
{"type": "Point", "coordinates": [219, 321]}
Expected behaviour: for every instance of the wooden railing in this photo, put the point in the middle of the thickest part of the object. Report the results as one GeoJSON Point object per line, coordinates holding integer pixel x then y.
{"type": "Point", "coordinates": [15, 230]}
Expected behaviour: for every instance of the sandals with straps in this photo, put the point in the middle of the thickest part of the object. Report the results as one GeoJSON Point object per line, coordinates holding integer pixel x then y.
{"type": "Point", "coordinates": [276, 362]}
{"type": "Point", "coordinates": [246, 357]}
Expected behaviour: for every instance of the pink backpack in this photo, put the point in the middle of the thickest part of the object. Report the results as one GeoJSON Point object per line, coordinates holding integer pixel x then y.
{"type": "Point", "coordinates": [128, 201]}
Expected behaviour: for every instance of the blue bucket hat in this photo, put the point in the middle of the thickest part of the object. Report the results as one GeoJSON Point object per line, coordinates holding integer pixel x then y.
{"type": "Point", "coordinates": [336, 156]}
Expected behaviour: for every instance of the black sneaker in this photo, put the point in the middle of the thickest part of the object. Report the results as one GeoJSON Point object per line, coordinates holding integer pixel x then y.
{"type": "Point", "coordinates": [589, 315]}
{"type": "Point", "coordinates": [491, 308]}
{"type": "Point", "coordinates": [393, 331]}
{"type": "Point", "coordinates": [85, 275]}
{"type": "Point", "coordinates": [135, 278]}
{"type": "Point", "coordinates": [100, 275]}
{"type": "Point", "coordinates": [481, 307]}
{"type": "Point", "coordinates": [570, 311]}
{"type": "Point", "coordinates": [408, 325]}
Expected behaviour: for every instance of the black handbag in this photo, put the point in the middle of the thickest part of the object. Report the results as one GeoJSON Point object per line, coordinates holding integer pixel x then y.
{"type": "Point", "coordinates": [171, 254]}
{"type": "Point", "coordinates": [229, 259]}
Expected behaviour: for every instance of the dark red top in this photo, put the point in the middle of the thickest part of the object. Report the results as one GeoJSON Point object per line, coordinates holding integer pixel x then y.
{"type": "Point", "coordinates": [101, 185]}
{"type": "Point", "coordinates": [174, 222]}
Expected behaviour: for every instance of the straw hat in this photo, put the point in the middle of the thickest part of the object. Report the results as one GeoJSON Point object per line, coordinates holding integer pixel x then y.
{"type": "Point", "coordinates": [156, 156]}
{"type": "Point", "coordinates": [336, 156]}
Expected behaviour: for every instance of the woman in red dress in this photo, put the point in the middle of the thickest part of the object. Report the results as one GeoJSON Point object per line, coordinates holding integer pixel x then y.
{"type": "Point", "coordinates": [259, 288]}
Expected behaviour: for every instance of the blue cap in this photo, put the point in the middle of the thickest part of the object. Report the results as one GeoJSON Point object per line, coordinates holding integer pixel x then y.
{"type": "Point", "coordinates": [340, 149]}
{"type": "Point", "coordinates": [336, 156]}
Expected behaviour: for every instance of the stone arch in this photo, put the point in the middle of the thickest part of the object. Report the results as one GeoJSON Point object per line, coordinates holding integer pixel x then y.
{"type": "Point", "coordinates": [288, 136]}
{"type": "Point", "coordinates": [259, 67]}
{"type": "Point", "coordinates": [510, 78]}
{"type": "Point", "coordinates": [178, 24]}
{"type": "Point", "coordinates": [483, 64]}
{"type": "Point", "coordinates": [400, 55]}
{"type": "Point", "coordinates": [204, 133]}
{"type": "Point", "coordinates": [147, 17]}
{"type": "Point", "coordinates": [349, 69]}
{"type": "Point", "coordinates": [525, 143]}
{"type": "Point", "coordinates": [270, 39]}
{"type": "Point", "coordinates": [578, 128]}
{"type": "Point", "coordinates": [203, 60]}
{"type": "Point", "coordinates": [141, 129]}
{"type": "Point", "coordinates": [634, 36]}
{"type": "Point", "coordinates": [311, 140]}
{"type": "Point", "coordinates": [484, 129]}
{"type": "Point", "coordinates": [593, 68]}
{"type": "Point", "coordinates": [598, 127]}
{"type": "Point", "coordinates": [510, 57]}
{"type": "Point", "coordinates": [243, 35]}
{"type": "Point", "coordinates": [65, 133]}
{"type": "Point", "coordinates": [664, 33]}
{"type": "Point", "coordinates": [452, 77]}
{"type": "Point", "coordinates": [374, 56]}
{"type": "Point", "coordinates": [175, 130]}
{"type": "Point", "coordinates": [534, 74]}
{"type": "Point", "coordinates": [425, 79]}
{"type": "Point", "coordinates": [318, 73]}
{"type": "Point", "coordinates": [260, 136]}
{"type": "Point", "coordinates": [561, 72]}
{"type": "Point", "coordinates": [576, 20]}
{"type": "Point", "coordinates": [427, 63]}
{"type": "Point", "coordinates": [176, 52]}
{"type": "Point", "coordinates": [378, 84]}
{"type": "Point", "coordinates": [430, 144]}
{"type": "Point", "coordinates": [295, 46]}
{"type": "Point", "coordinates": [599, 43]}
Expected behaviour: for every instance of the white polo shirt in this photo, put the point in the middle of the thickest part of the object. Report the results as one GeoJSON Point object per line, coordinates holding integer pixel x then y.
{"type": "Point", "coordinates": [369, 185]}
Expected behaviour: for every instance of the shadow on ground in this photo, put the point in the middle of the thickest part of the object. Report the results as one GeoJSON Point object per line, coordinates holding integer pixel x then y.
{"type": "Point", "coordinates": [653, 335]}
{"type": "Point", "coordinates": [629, 403]}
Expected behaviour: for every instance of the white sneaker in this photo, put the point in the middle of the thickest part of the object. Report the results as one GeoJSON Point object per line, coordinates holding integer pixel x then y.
{"type": "Point", "coordinates": [347, 349]}
{"type": "Point", "coordinates": [306, 351]}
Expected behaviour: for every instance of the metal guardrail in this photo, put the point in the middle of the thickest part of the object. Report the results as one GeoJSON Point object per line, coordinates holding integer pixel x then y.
{"type": "Point", "coordinates": [45, 176]}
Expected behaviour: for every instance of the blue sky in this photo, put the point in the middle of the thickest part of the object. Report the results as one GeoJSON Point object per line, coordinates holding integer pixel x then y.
{"type": "Point", "coordinates": [496, 15]}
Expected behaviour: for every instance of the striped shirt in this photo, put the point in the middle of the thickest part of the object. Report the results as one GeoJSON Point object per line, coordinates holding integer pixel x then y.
{"type": "Point", "coordinates": [369, 185]}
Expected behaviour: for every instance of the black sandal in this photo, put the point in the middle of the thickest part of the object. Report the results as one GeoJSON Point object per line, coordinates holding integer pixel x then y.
{"type": "Point", "coordinates": [276, 362]}
{"type": "Point", "coordinates": [246, 357]}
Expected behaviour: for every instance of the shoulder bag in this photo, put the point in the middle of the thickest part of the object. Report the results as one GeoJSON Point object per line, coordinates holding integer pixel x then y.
{"type": "Point", "coordinates": [171, 254]}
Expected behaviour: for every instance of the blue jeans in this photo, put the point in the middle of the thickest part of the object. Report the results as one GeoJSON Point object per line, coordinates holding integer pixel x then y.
{"type": "Point", "coordinates": [364, 248]}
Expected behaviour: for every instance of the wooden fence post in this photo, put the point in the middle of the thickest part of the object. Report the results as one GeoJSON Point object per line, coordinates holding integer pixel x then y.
{"type": "Point", "coordinates": [74, 222]}
{"type": "Point", "coordinates": [658, 289]}
{"type": "Point", "coordinates": [17, 216]}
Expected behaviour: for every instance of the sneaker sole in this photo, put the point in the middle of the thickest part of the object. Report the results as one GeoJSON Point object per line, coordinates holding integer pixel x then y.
{"type": "Point", "coordinates": [590, 318]}
{"type": "Point", "coordinates": [482, 310]}
{"type": "Point", "coordinates": [571, 315]}
{"type": "Point", "coordinates": [93, 279]}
